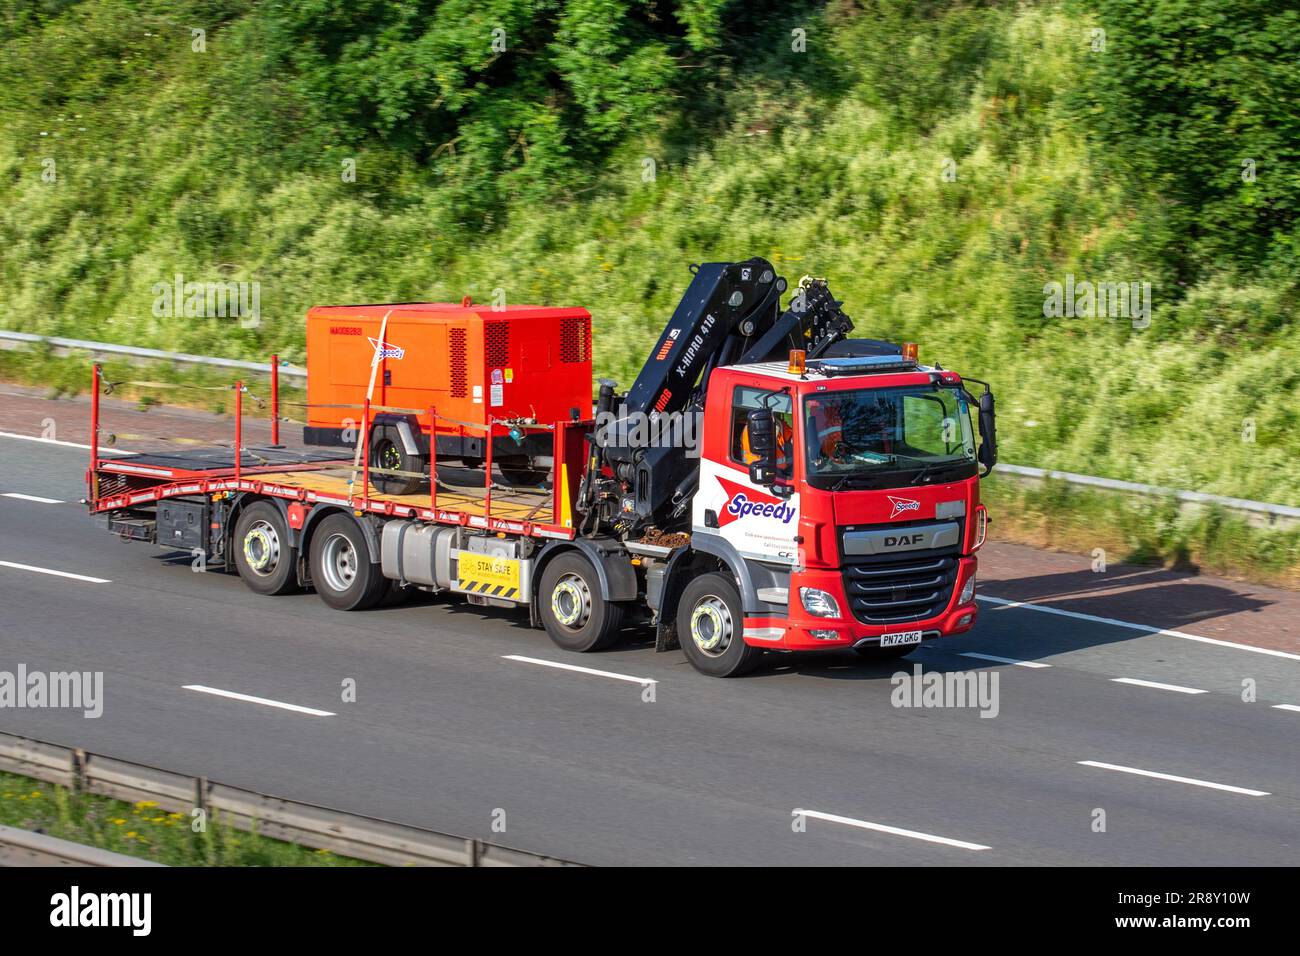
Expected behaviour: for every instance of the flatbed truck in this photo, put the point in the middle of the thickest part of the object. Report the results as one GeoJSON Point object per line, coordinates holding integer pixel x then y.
{"type": "Point", "coordinates": [766, 485]}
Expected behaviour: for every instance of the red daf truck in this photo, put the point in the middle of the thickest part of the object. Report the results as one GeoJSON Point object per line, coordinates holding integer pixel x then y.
{"type": "Point", "coordinates": [766, 485]}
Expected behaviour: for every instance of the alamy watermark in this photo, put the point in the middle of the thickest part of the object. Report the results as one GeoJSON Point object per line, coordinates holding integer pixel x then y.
{"type": "Point", "coordinates": [649, 430]}
{"type": "Point", "coordinates": [933, 689]}
{"type": "Point", "coordinates": [39, 690]}
{"type": "Point", "coordinates": [1092, 300]}
{"type": "Point", "coordinates": [229, 299]}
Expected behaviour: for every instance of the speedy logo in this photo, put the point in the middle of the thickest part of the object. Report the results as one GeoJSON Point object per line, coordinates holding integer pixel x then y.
{"type": "Point", "coordinates": [387, 350]}
{"type": "Point", "coordinates": [742, 502]}
{"type": "Point", "coordinates": [901, 505]}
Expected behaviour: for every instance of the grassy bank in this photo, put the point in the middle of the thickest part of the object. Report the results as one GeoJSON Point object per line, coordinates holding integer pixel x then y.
{"type": "Point", "coordinates": [143, 830]}
{"type": "Point", "coordinates": [1141, 530]}
{"type": "Point", "coordinates": [942, 163]}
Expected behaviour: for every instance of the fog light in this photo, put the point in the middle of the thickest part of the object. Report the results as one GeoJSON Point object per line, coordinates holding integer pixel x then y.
{"type": "Point", "coordinates": [967, 591]}
{"type": "Point", "coordinates": [825, 635]}
{"type": "Point", "coordinates": [965, 619]}
{"type": "Point", "coordinates": [818, 603]}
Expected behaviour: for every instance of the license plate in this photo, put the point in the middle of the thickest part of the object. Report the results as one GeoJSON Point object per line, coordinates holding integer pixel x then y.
{"type": "Point", "coordinates": [906, 637]}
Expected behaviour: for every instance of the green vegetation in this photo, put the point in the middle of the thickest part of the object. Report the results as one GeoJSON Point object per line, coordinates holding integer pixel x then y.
{"type": "Point", "coordinates": [939, 161]}
{"type": "Point", "coordinates": [143, 830]}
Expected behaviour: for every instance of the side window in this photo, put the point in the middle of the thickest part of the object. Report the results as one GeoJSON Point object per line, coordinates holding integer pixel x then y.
{"type": "Point", "coordinates": [744, 399]}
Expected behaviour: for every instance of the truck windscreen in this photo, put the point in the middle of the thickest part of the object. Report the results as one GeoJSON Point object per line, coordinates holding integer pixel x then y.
{"type": "Point", "coordinates": [884, 437]}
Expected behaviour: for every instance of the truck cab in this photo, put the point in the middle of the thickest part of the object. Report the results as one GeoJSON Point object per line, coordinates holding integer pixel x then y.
{"type": "Point", "coordinates": [843, 495]}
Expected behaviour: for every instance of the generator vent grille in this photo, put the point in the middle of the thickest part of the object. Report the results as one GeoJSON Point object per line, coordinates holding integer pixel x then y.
{"type": "Point", "coordinates": [496, 344]}
{"type": "Point", "coordinates": [459, 363]}
{"type": "Point", "coordinates": [575, 340]}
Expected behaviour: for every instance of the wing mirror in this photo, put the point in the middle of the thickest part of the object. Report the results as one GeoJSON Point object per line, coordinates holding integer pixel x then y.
{"type": "Point", "coordinates": [988, 454]}
{"type": "Point", "coordinates": [760, 427]}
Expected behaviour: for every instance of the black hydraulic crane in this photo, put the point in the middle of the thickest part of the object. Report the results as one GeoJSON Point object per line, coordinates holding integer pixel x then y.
{"type": "Point", "coordinates": [730, 315]}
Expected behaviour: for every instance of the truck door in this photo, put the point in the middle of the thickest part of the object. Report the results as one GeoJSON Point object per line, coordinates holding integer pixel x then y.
{"type": "Point", "coordinates": [758, 523]}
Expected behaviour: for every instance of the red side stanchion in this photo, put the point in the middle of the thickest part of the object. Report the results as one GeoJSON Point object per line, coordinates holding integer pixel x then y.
{"type": "Point", "coordinates": [275, 399]}
{"type": "Point", "coordinates": [94, 434]}
{"type": "Point", "coordinates": [365, 454]}
{"type": "Point", "coordinates": [487, 477]}
{"type": "Point", "coordinates": [433, 458]}
{"type": "Point", "coordinates": [239, 426]}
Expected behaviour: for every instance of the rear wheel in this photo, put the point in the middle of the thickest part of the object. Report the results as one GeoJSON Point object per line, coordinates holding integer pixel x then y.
{"type": "Point", "coordinates": [341, 570]}
{"type": "Point", "coordinates": [521, 474]}
{"type": "Point", "coordinates": [576, 617]}
{"type": "Point", "coordinates": [710, 627]}
{"type": "Point", "coordinates": [263, 556]}
{"type": "Point", "coordinates": [387, 451]}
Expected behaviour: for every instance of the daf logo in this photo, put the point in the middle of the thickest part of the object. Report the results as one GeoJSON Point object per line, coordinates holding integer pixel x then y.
{"type": "Point", "coordinates": [903, 540]}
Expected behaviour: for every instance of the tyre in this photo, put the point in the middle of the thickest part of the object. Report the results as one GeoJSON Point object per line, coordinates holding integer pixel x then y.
{"type": "Point", "coordinates": [876, 653]}
{"type": "Point", "coordinates": [341, 570]}
{"type": "Point", "coordinates": [263, 556]}
{"type": "Point", "coordinates": [521, 475]}
{"type": "Point", "coordinates": [387, 451]}
{"type": "Point", "coordinates": [710, 627]}
{"type": "Point", "coordinates": [576, 617]}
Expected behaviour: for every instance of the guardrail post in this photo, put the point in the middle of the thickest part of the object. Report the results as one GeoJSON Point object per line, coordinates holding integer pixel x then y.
{"type": "Point", "coordinates": [77, 767]}
{"type": "Point", "coordinates": [275, 399]}
{"type": "Point", "coordinates": [201, 795]}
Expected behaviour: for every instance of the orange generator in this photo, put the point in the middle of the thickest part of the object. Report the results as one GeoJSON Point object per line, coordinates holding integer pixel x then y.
{"type": "Point", "coordinates": [473, 364]}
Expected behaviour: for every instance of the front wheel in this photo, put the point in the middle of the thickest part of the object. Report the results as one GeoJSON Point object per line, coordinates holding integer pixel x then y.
{"type": "Point", "coordinates": [711, 625]}
{"type": "Point", "coordinates": [341, 570]}
{"type": "Point", "coordinates": [576, 617]}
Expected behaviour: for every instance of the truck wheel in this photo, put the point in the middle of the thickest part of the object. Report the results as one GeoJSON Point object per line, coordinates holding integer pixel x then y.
{"type": "Point", "coordinates": [520, 475]}
{"type": "Point", "coordinates": [575, 615]}
{"type": "Point", "coordinates": [710, 627]}
{"type": "Point", "coordinates": [263, 556]}
{"type": "Point", "coordinates": [387, 451]}
{"type": "Point", "coordinates": [341, 569]}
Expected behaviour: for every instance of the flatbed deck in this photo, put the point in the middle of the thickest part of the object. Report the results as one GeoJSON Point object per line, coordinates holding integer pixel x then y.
{"type": "Point", "coordinates": [321, 475]}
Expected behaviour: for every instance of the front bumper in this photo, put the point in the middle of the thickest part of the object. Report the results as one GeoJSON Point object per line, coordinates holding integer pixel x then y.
{"type": "Point", "coordinates": [801, 631]}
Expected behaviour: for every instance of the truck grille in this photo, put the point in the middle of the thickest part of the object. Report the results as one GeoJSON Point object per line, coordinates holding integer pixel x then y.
{"type": "Point", "coordinates": [900, 590]}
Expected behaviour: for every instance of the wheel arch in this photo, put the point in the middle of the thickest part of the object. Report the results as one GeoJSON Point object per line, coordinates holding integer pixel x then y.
{"type": "Point", "coordinates": [614, 571]}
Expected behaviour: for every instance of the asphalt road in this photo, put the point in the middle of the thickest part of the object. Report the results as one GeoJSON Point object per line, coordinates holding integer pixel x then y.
{"type": "Point", "coordinates": [447, 731]}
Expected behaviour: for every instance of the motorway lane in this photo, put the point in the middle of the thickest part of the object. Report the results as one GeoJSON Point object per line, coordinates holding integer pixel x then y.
{"type": "Point", "coordinates": [445, 730]}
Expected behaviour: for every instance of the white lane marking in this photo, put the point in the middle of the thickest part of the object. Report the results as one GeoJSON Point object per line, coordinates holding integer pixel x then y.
{"type": "Point", "coordinates": [581, 670]}
{"type": "Point", "coordinates": [1003, 660]}
{"type": "Point", "coordinates": [37, 498]}
{"type": "Point", "coordinates": [111, 449]}
{"type": "Point", "coordinates": [1158, 686]}
{"type": "Point", "coordinates": [896, 831]}
{"type": "Point", "coordinates": [310, 711]}
{"type": "Point", "coordinates": [1147, 628]}
{"type": "Point", "coordinates": [57, 574]}
{"type": "Point", "coordinates": [1169, 776]}
{"type": "Point", "coordinates": [1295, 707]}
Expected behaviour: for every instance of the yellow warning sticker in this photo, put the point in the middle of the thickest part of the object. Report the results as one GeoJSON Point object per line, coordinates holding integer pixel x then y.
{"type": "Point", "coordinates": [477, 570]}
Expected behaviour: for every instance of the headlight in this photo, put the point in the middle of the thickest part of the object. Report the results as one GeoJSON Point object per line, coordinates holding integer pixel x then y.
{"type": "Point", "coordinates": [818, 603]}
{"type": "Point", "coordinates": [967, 591]}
